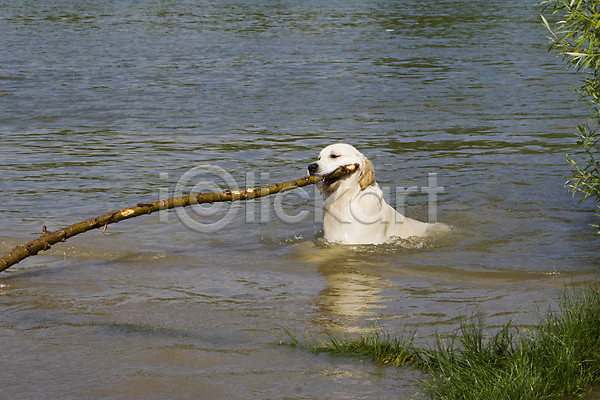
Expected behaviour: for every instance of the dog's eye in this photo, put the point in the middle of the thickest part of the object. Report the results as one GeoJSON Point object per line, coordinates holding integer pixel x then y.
{"type": "Point", "coordinates": [334, 156]}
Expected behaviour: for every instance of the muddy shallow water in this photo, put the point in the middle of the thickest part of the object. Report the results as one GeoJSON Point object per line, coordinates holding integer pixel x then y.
{"type": "Point", "coordinates": [104, 105]}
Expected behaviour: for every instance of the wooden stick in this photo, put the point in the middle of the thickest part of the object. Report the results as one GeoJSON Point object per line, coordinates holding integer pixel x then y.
{"type": "Point", "coordinates": [47, 239]}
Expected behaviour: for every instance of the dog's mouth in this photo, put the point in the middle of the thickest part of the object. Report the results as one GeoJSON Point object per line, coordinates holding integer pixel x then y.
{"type": "Point", "coordinates": [338, 173]}
{"type": "Point", "coordinates": [330, 180]}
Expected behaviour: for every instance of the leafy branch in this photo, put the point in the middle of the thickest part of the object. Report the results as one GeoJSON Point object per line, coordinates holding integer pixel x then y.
{"type": "Point", "coordinates": [576, 37]}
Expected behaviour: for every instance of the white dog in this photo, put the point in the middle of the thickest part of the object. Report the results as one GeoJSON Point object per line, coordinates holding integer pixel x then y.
{"type": "Point", "coordinates": [355, 211]}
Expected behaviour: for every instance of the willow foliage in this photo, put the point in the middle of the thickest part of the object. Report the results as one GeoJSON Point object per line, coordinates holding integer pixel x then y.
{"type": "Point", "coordinates": [575, 30]}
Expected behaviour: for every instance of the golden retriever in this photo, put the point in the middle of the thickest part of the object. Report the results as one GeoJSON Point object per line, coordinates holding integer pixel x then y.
{"type": "Point", "coordinates": [355, 211]}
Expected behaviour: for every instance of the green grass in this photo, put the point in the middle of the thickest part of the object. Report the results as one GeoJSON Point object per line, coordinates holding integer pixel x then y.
{"type": "Point", "coordinates": [378, 346]}
{"type": "Point", "coordinates": [558, 357]}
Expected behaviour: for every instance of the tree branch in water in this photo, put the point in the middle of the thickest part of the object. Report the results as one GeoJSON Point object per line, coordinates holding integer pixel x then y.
{"type": "Point", "coordinates": [47, 239]}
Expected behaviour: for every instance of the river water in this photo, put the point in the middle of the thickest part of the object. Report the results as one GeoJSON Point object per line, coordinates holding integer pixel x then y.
{"type": "Point", "coordinates": [106, 104]}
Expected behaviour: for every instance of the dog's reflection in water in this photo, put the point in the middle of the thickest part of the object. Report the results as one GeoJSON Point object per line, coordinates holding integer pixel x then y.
{"type": "Point", "coordinates": [350, 297]}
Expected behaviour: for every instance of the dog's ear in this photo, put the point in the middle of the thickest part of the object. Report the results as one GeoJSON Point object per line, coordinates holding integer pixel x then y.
{"type": "Point", "coordinates": [367, 175]}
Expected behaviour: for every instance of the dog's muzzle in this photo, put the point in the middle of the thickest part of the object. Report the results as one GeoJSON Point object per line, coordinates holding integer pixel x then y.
{"type": "Point", "coordinates": [313, 168]}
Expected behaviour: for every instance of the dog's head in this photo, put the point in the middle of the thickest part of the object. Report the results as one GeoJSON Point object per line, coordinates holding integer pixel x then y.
{"type": "Point", "coordinates": [336, 155]}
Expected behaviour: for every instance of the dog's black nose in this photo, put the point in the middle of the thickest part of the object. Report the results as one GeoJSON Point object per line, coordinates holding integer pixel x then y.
{"type": "Point", "coordinates": [312, 168]}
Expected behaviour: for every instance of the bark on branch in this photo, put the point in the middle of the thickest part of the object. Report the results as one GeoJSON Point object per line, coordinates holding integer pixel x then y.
{"type": "Point", "coordinates": [47, 239]}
